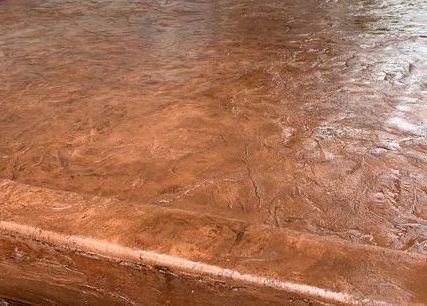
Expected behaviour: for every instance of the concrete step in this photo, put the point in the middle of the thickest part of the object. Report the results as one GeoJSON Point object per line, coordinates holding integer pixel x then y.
{"type": "Point", "coordinates": [63, 247]}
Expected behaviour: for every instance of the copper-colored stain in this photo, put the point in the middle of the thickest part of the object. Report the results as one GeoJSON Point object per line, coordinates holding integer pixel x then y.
{"type": "Point", "coordinates": [303, 115]}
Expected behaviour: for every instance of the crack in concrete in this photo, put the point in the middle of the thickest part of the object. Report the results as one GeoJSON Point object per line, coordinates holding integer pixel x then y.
{"type": "Point", "coordinates": [250, 176]}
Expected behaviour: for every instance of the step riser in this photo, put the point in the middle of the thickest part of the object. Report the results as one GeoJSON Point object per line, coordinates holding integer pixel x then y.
{"type": "Point", "coordinates": [41, 274]}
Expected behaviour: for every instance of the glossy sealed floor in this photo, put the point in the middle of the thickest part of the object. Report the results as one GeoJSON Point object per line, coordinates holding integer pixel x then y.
{"type": "Point", "coordinates": [309, 115]}
{"type": "Point", "coordinates": [305, 115]}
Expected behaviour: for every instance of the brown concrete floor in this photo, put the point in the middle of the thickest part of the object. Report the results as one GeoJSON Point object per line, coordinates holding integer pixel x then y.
{"type": "Point", "coordinates": [304, 115]}
{"type": "Point", "coordinates": [308, 115]}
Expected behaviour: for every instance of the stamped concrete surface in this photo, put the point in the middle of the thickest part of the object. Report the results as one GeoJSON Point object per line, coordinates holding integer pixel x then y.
{"type": "Point", "coordinates": [283, 140]}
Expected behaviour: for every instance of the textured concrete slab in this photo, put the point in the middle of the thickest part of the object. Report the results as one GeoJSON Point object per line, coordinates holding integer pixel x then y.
{"type": "Point", "coordinates": [196, 247]}
{"type": "Point", "coordinates": [221, 152]}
